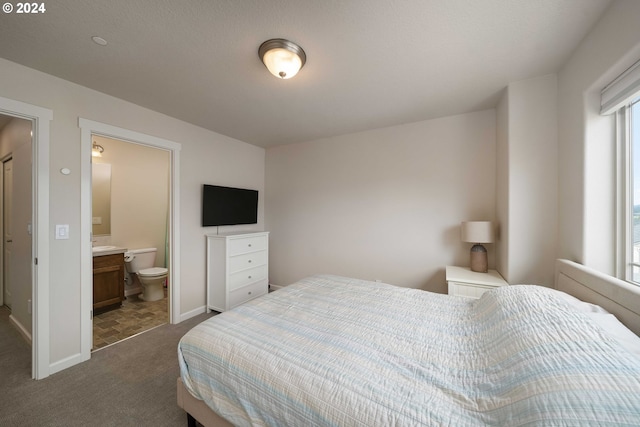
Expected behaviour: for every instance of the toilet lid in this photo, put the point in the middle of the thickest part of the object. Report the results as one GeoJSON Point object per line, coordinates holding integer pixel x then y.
{"type": "Point", "coordinates": [153, 271]}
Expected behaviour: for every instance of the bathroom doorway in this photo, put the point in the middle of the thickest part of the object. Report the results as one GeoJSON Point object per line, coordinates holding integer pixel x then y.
{"type": "Point", "coordinates": [89, 129]}
{"type": "Point", "coordinates": [130, 213]}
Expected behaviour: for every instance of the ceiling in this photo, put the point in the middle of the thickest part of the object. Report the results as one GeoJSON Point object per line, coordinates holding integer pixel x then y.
{"type": "Point", "coordinates": [370, 63]}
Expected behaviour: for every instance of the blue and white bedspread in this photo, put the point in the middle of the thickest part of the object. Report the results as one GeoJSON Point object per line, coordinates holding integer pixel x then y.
{"type": "Point", "coordinates": [332, 351]}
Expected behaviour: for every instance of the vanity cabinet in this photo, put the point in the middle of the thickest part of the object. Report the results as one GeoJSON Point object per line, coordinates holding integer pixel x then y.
{"type": "Point", "coordinates": [237, 269]}
{"type": "Point", "coordinates": [108, 282]}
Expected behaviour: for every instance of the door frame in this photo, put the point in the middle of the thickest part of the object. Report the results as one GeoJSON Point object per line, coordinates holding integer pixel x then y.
{"type": "Point", "coordinates": [89, 128]}
{"type": "Point", "coordinates": [2, 242]}
{"type": "Point", "coordinates": [40, 335]}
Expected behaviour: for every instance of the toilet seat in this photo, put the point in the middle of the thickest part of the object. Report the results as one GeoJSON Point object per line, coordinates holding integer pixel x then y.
{"type": "Point", "coordinates": [152, 272]}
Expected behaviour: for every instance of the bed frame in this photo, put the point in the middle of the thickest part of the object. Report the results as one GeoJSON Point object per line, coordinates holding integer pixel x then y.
{"type": "Point", "coordinates": [616, 296]}
{"type": "Point", "coordinates": [197, 410]}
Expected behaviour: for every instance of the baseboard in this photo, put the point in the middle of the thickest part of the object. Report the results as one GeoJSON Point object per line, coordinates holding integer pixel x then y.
{"type": "Point", "coordinates": [23, 331]}
{"type": "Point", "coordinates": [193, 313]}
{"type": "Point", "coordinates": [273, 287]}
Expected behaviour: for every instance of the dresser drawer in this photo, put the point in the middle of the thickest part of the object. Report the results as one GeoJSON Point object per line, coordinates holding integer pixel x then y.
{"type": "Point", "coordinates": [468, 290]}
{"type": "Point", "coordinates": [245, 261]}
{"type": "Point", "coordinates": [239, 279]}
{"type": "Point", "coordinates": [247, 244]}
{"type": "Point", "coordinates": [247, 293]}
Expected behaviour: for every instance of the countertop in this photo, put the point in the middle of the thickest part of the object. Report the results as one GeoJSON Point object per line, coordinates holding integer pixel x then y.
{"type": "Point", "coordinates": [107, 250]}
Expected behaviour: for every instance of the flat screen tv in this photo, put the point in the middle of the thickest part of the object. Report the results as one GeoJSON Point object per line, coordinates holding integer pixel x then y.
{"type": "Point", "coordinates": [228, 206]}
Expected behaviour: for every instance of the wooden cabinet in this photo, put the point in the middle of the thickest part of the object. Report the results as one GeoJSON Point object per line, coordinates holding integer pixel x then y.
{"type": "Point", "coordinates": [108, 282]}
{"type": "Point", "coordinates": [461, 281]}
{"type": "Point", "coordinates": [237, 269]}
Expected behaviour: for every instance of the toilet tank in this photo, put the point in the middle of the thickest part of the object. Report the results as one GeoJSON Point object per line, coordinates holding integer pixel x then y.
{"type": "Point", "coordinates": [139, 259]}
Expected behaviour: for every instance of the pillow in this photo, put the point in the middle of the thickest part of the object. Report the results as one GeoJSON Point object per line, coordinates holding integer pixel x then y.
{"type": "Point", "coordinates": [581, 306]}
{"type": "Point", "coordinates": [605, 320]}
{"type": "Point", "coordinates": [618, 331]}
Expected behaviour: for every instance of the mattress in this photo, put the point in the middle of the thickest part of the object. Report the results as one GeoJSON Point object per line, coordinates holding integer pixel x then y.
{"type": "Point", "coordinates": [335, 351]}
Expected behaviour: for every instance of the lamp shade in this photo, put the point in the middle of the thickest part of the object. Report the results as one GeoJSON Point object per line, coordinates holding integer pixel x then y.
{"type": "Point", "coordinates": [282, 58]}
{"type": "Point", "coordinates": [477, 231]}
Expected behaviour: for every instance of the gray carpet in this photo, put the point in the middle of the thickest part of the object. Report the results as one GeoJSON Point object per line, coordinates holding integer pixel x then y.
{"type": "Point", "coordinates": [132, 383]}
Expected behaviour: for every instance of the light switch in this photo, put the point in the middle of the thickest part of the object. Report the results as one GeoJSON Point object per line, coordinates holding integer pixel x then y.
{"type": "Point", "coordinates": [62, 231]}
{"type": "Point", "coordinates": [97, 220]}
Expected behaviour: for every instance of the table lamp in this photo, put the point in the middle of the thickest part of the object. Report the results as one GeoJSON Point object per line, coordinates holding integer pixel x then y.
{"type": "Point", "coordinates": [478, 232]}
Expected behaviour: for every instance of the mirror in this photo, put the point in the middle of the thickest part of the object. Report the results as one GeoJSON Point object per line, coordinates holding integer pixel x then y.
{"type": "Point", "coordinates": [101, 199]}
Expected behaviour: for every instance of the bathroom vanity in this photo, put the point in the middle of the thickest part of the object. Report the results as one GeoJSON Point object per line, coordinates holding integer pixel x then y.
{"type": "Point", "coordinates": [108, 279]}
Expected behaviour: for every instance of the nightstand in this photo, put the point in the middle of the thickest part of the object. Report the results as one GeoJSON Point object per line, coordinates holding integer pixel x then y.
{"type": "Point", "coordinates": [463, 282]}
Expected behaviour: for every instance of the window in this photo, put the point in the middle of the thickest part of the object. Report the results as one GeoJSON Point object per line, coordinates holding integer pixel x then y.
{"type": "Point", "coordinates": [629, 123]}
{"type": "Point", "coordinates": [622, 97]}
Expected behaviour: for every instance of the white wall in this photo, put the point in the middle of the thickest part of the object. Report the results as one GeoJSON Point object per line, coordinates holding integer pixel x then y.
{"type": "Point", "coordinates": [207, 157]}
{"type": "Point", "coordinates": [527, 181]}
{"type": "Point", "coordinates": [382, 204]}
{"type": "Point", "coordinates": [586, 140]}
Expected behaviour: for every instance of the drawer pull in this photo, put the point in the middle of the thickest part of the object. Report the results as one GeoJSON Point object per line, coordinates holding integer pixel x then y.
{"type": "Point", "coordinates": [249, 293]}
{"type": "Point", "coordinates": [249, 244]}
{"type": "Point", "coordinates": [249, 277]}
{"type": "Point", "coordinates": [249, 261]}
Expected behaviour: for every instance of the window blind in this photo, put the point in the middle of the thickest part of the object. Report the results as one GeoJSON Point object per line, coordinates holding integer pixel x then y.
{"type": "Point", "coordinates": [621, 91]}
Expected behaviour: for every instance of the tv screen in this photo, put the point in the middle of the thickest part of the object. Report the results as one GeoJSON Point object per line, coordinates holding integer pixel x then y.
{"type": "Point", "coordinates": [228, 206]}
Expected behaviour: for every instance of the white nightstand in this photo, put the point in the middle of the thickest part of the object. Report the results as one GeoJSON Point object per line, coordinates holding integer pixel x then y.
{"type": "Point", "coordinates": [463, 282]}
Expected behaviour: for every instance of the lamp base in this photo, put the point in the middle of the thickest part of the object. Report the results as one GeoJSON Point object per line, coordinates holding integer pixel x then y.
{"type": "Point", "coordinates": [479, 262]}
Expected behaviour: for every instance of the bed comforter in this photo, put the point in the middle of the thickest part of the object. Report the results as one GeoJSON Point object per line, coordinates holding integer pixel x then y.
{"type": "Point", "coordinates": [333, 351]}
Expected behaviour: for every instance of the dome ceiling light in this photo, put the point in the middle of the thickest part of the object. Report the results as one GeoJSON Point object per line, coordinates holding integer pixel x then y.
{"type": "Point", "coordinates": [282, 58]}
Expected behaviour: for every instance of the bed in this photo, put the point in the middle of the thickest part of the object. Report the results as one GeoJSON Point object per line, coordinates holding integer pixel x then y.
{"type": "Point", "coordinates": [336, 351]}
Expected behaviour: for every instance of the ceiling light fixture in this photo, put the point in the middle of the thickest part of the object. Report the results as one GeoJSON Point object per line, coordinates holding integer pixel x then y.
{"type": "Point", "coordinates": [282, 58]}
{"type": "Point", "coordinates": [96, 150]}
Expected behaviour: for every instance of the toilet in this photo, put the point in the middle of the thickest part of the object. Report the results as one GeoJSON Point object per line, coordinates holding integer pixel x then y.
{"type": "Point", "coordinates": [140, 262]}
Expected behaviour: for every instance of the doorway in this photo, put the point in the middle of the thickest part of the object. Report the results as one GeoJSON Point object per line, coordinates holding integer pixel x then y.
{"type": "Point", "coordinates": [15, 216]}
{"type": "Point", "coordinates": [88, 129]}
{"type": "Point", "coordinates": [130, 203]}
{"type": "Point", "coordinates": [33, 313]}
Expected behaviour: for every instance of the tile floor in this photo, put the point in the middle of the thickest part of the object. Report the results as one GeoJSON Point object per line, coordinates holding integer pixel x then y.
{"type": "Point", "coordinates": [133, 317]}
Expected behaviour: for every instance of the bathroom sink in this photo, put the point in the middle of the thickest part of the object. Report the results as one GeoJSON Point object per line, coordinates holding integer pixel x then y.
{"type": "Point", "coordinates": [103, 248]}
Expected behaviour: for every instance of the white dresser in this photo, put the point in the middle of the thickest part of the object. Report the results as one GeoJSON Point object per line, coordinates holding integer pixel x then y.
{"type": "Point", "coordinates": [463, 282]}
{"type": "Point", "coordinates": [237, 268]}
